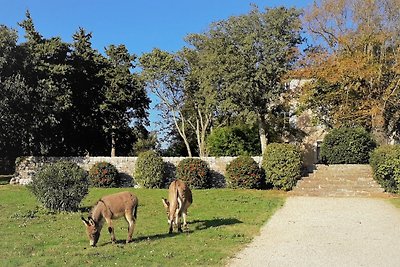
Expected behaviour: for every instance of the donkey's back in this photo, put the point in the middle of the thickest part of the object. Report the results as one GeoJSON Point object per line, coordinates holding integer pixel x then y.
{"type": "Point", "coordinates": [120, 203]}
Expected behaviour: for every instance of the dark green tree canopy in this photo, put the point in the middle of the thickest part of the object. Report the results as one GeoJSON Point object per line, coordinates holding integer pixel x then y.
{"type": "Point", "coordinates": [58, 98]}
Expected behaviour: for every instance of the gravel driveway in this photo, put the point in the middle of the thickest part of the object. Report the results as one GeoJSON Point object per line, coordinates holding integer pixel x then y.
{"type": "Point", "coordinates": [313, 231]}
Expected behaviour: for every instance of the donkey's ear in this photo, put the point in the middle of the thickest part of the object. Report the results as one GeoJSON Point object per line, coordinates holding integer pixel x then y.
{"type": "Point", "coordinates": [85, 221]}
{"type": "Point", "coordinates": [165, 202]}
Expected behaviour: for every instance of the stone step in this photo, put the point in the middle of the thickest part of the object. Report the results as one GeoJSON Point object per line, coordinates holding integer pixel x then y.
{"type": "Point", "coordinates": [344, 193]}
{"type": "Point", "coordinates": [339, 181]}
{"type": "Point", "coordinates": [347, 187]}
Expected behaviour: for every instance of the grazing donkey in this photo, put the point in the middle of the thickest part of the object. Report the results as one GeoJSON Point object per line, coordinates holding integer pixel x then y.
{"type": "Point", "coordinates": [108, 208]}
{"type": "Point", "coordinates": [179, 200]}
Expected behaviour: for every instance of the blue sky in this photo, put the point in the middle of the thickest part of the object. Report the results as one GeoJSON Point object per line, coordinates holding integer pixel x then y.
{"type": "Point", "coordinates": [140, 25]}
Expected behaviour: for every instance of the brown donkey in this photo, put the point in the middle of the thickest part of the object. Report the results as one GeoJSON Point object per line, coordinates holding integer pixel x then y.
{"type": "Point", "coordinates": [108, 208]}
{"type": "Point", "coordinates": [179, 200]}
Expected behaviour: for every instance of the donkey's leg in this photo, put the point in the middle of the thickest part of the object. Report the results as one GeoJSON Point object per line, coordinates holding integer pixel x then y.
{"type": "Point", "coordinates": [184, 214]}
{"type": "Point", "coordinates": [111, 230]}
{"type": "Point", "coordinates": [178, 220]}
{"type": "Point", "coordinates": [178, 215]}
{"type": "Point", "coordinates": [131, 225]}
{"type": "Point", "coordinates": [170, 227]}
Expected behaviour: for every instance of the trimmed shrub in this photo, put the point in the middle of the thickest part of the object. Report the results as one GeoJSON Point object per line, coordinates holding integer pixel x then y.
{"type": "Point", "coordinates": [385, 163]}
{"type": "Point", "coordinates": [233, 141]}
{"type": "Point", "coordinates": [103, 174]}
{"type": "Point", "coordinates": [149, 170]}
{"type": "Point", "coordinates": [282, 164]}
{"type": "Point", "coordinates": [60, 186]}
{"type": "Point", "coordinates": [244, 172]}
{"type": "Point", "coordinates": [194, 172]}
{"type": "Point", "coordinates": [347, 146]}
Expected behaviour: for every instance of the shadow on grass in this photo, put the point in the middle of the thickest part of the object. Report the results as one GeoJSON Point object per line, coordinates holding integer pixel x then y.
{"type": "Point", "coordinates": [205, 224]}
{"type": "Point", "coordinates": [143, 238]}
{"type": "Point", "coordinates": [201, 225]}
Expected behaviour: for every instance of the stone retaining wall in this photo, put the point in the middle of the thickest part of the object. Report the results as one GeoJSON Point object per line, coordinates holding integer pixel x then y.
{"type": "Point", "coordinates": [27, 166]}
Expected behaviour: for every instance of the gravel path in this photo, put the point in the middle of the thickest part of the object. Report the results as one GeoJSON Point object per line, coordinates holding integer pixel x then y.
{"type": "Point", "coordinates": [313, 231]}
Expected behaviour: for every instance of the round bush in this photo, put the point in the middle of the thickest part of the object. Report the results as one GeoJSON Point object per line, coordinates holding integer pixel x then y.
{"type": "Point", "coordinates": [60, 186]}
{"type": "Point", "coordinates": [194, 172]}
{"type": "Point", "coordinates": [149, 170]}
{"type": "Point", "coordinates": [103, 174]}
{"type": "Point", "coordinates": [244, 172]}
{"type": "Point", "coordinates": [347, 146]}
{"type": "Point", "coordinates": [282, 164]}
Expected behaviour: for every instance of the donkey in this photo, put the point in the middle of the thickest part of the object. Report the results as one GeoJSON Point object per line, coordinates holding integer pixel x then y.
{"type": "Point", "coordinates": [179, 200]}
{"type": "Point", "coordinates": [108, 208]}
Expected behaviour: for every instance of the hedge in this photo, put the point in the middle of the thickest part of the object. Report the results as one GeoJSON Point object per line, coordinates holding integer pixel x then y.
{"type": "Point", "coordinates": [385, 163]}
{"type": "Point", "coordinates": [282, 164]}
{"type": "Point", "coordinates": [347, 146]}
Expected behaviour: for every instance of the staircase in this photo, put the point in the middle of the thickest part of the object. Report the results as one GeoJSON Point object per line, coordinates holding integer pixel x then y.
{"type": "Point", "coordinates": [339, 181]}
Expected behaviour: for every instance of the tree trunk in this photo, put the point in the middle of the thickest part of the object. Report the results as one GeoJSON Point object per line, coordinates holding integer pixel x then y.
{"type": "Point", "coordinates": [113, 143]}
{"type": "Point", "coordinates": [378, 127]}
{"type": "Point", "coordinates": [262, 131]}
{"type": "Point", "coordinates": [182, 133]}
{"type": "Point", "coordinates": [187, 147]}
{"type": "Point", "coordinates": [203, 121]}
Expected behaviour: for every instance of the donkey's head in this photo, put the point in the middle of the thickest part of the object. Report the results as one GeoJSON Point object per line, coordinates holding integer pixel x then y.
{"type": "Point", "coordinates": [92, 230]}
{"type": "Point", "coordinates": [166, 206]}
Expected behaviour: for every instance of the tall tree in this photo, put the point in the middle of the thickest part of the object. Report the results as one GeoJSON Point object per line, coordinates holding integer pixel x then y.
{"type": "Point", "coordinates": [44, 72]}
{"type": "Point", "coordinates": [247, 57]}
{"type": "Point", "coordinates": [164, 75]}
{"type": "Point", "coordinates": [125, 99]}
{"type": "Point", "coordinates": [63, 99]}
{"type": "Point", "coordinates": [87, 84]}
{"type": "Point", "coordinates": [355, 68]}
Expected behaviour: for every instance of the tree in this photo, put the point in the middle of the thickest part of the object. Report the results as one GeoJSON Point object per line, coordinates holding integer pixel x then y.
{"type": "Point", "coordinates": [355, 68]}
{"type": "Point", "coordinates": [164, 75]}
{"type": "Point", "coordinates": [247, 57]}
{"type": "Point", "coordinates": [86, 85]}
{"type": "Point", "coordinates": [43, 71]}
{"type": "Point", "coordinates": [59, 99]}
{"type": "Point", "coordinates": [125, 99]}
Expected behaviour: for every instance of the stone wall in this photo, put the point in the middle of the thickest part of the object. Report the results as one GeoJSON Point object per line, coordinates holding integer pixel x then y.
{"type": "Point", "coordinates": [27, 166]}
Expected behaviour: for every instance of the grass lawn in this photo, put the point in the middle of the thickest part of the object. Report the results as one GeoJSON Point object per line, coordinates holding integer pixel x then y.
{"type": "Point", "coordinates": [395, 201]}
{"type": "Point", "coordinates": [221, 221]}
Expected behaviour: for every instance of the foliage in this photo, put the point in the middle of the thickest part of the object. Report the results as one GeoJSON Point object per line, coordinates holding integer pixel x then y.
{"type": "Point", "coordinates": [385, 163]}
{"type": "Point", "coordinates": [50, 239]}
{"type": "Point", "coordinates": [233, 141]}
{"type": "Point", "coordinates": [60, 186]}
{"type": "Point", "coordinates": [244, 172]}
{"type": "Point", "coordinates": [244, 59]}
{"type": "Point", "coordinates": [347, 146]}
{"type": "Point", "coordinates": [103, 174]}
{"type": "Point", "coordinates": [149, 170]}
{"type": "Point", "coordinates": [355, 69]}
{"type": "Point", "coordinates": [145, 142]}
{"type": "Point", "coordinates": [282, 165]}
{"type": "Point", "coordinates": [193, 171]}
{"type": "Point", "coordinates": [164, 74]}
{"type": "Point", "coordinates": [125, 98]}
{"type": "Point", "coordinates": [63, 99]}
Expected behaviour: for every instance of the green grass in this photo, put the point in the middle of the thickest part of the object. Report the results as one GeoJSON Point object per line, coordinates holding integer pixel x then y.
{"type": "Point", "coordinates": [221, 221]}
{"type": "Point", "coordinates": [395, 202]}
